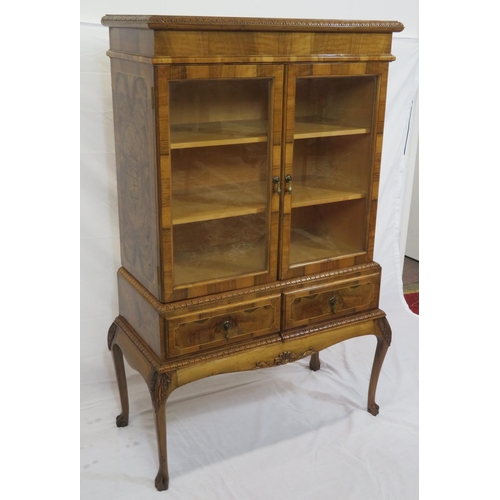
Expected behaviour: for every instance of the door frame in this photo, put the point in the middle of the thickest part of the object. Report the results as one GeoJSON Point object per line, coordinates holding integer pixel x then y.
{"type": "Point", "coordinates": [166, 73]}
{"type": "Point", "coordinates": [322, 70]}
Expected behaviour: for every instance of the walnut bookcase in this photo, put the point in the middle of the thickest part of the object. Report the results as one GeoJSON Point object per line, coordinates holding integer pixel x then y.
{"type": "Point", "coordinates": [248, 158]}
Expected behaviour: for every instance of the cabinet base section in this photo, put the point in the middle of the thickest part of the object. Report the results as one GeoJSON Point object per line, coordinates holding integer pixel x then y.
{"type": "Point", "coordinates": [163, 377]}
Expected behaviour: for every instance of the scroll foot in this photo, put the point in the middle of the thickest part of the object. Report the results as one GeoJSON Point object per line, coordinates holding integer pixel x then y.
{"type": "Point", "coordinates": [161, 481]}
{"type": "Point", "coordinates": [315, 363]}
{"type": "Point", "coordinates": [122, 420]}
{"type": "Point", "coordinates": [373, 409]}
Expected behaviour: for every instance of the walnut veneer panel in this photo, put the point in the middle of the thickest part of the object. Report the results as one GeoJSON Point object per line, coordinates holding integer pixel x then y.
{"type": "Point", "coordinates": [320, 303]}
{"type": "Point", "coordinates": [145, 320]}
{"type": "Point", "coordinates": [134, 123]}
{"type": "Point", "coordinates": [132, 41]}
{"type": "Point", "coordinates": [170, 45]}
{"type": "Point", "coordinates": [222, 326]}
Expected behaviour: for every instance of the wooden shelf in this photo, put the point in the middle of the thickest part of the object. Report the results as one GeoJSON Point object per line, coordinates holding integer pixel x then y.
{"type": "Point", "coordinates": [217, 203]}
{"type": "Point", "coordinates": [304, 196]}
{"type": "Point", "coordinates": [198, 135]}
{"type": "Point", "coordinates": [312, 127]}
{"type": "Point", "coordinates": [219, 262]}
{"type": "Point", "coordinates": [214, 203]}
{"type": "Point", "coordinates": [307, 247]}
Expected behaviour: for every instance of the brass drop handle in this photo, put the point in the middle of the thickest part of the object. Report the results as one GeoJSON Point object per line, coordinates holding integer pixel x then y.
{"type": "Point", "coordinates": [288, 180]}
{"type": "Point", "coordinates": [226, 325]}
{"type": "Point", "coordinates": [276, 180]}
{"type": "Point", "coordinates": [333, 304]}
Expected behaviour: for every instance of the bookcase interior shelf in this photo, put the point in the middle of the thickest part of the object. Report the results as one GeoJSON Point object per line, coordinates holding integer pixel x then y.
{"type": "Point", "coordinates": [197, 135]}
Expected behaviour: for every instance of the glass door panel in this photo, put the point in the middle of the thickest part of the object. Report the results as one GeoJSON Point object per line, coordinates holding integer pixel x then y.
{"type": "Point", "coordinates": [220, 174]}
{"type": "Point", "coordinates": [332, 146]}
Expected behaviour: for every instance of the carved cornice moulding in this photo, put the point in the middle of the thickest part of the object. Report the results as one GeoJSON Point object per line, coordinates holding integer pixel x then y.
{"type": "Point", "coordinates": [132, 336]}
{"type": "Point", "coordinates": [163, 309]}
{"type": "Point", "coordinates": [248, 23]}
{"type": "Point", "coordinates": [169, 366]}
{"type": "Point", "coordinates": [275, 339]}
{"type": "Point", "coordinates": [311, 329]}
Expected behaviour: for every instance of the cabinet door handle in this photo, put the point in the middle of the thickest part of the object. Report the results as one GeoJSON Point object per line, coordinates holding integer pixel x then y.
{"type": "Point", "coordinates": [276, 180]}
{"type": "Point", "coordinates": [333, 304]}
{"type": "Point", "coordinates": [288, 180]}
{"type": "Point", "coordinates": [226, 325]}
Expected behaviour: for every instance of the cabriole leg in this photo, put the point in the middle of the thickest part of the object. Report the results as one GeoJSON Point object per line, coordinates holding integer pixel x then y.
{"type": "Point", "coordinates": [159, 386]}
{"type": "Point", "coordinates": [122, 419]}
{"type": "Point", "coordinates": [384, 336]}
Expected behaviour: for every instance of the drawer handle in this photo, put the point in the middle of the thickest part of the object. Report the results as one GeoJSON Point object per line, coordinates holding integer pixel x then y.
{"type": "Point", "coordinates": [226, 325]}
{"type": "Point", "coordinates": [333, 304]}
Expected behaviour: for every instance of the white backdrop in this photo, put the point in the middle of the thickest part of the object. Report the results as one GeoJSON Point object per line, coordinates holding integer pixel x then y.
{"type": "Point", "coordinates": [270, 434]}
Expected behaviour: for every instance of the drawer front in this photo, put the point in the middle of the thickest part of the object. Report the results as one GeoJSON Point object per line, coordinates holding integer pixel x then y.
{"type": "Point", "coordinates": [318, 304]}
{"type": "Point", "coordinates": [221, 326]}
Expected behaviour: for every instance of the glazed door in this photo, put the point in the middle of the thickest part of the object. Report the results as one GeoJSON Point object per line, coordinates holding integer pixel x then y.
{"type": "Point", "coordinates": [220, 142]}
{"type": "Point", "coordinates": [330, 142]}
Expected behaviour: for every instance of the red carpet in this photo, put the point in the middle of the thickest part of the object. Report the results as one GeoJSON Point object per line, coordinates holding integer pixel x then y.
{"type": "Point", "coordinates": [412, 301]}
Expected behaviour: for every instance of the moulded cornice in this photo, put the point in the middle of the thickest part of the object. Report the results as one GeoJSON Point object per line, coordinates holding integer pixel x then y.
{"type": "Point", "coordinates": [165, 308]}
{"type": "Point", "coordinates": [275, 339]}
{"type": "Point", "coordinates": [248, 23]}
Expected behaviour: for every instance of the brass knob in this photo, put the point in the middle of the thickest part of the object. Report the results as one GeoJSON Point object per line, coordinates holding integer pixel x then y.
{"type": "Point", "coordinates": [333, 304]}
{"type": "Point", "coordinates": [226, 325]}
{"type": "Point", "coordinates": [288, 180]}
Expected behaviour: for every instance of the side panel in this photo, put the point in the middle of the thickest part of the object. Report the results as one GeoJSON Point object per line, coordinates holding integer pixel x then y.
{"type": "Point", "coordinates": [141, 315]}
{"type": "Point", "coordinates": [132, 41]}
{"type": "Point", "coordinates": [136, 170]}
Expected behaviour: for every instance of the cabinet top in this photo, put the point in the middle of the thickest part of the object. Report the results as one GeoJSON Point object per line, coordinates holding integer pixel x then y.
{"type": "Point", "coordinates": [248, 24]}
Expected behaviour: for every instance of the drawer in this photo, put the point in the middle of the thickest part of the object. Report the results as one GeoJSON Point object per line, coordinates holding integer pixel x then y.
{"type": "Point", "coordinates": [224, 325]}
{"type": "Point", "coordinates": [318, 304]}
